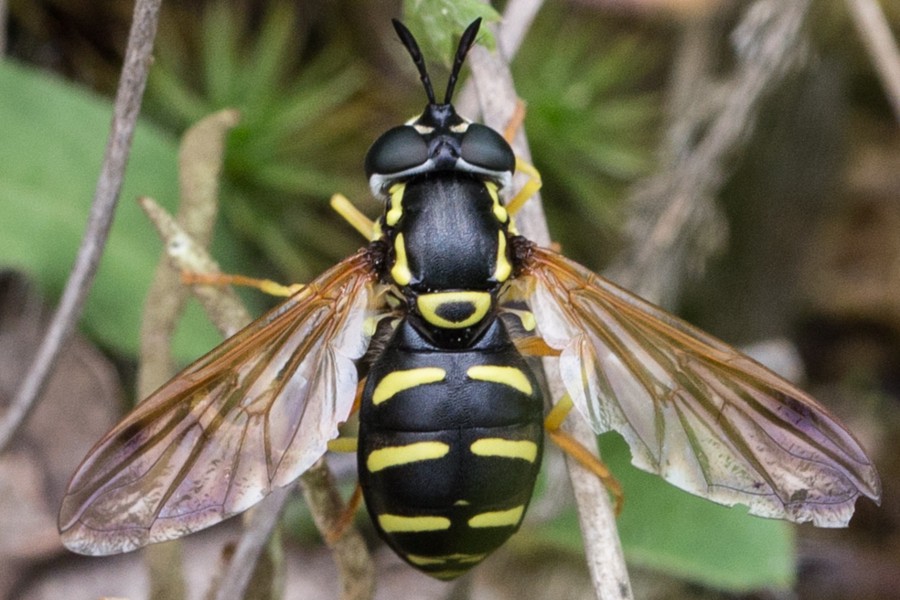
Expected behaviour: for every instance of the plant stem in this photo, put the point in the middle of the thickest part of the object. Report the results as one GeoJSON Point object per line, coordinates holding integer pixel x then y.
{"type": "Point", "coordinates": [603, 550]}
{"type": "Point", "coordinates": [138, 56]}
{"type": "Point", "coordinates": [879, 41]}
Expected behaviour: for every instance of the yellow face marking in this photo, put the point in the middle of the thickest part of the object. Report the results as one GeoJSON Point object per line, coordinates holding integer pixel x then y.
{"type": "Point", "coordinates": [396, 381]}
{"type": "Point", "coordinates": [475, 306]}
{"type": "Point", "coordinates": [503, 269]}
{"type": "Point", "coordinates": [438, 560]}
{"type": "Point", "coordinates": [384, 458]}
{"type": "Point", "coordinates": [401, 524]}
{"type": "Point", "coordinates": [396, 211]}
{"type": "Point", "coordinates": [500, 447]}
{"type": "Point", "coordinates": [400, 271]}
{"type": "Point", "coordinates": [500, 212]}
{"type": "Point", "coordinates": [510, 376]}
{"type": "Point", "coordinates": [498, 518]}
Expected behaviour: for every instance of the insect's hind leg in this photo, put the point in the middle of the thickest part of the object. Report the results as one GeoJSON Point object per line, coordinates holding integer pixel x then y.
{"type": "Point", "coordinates": [348, 444]}
{"type": "Point", "coordinates": [572, 447]}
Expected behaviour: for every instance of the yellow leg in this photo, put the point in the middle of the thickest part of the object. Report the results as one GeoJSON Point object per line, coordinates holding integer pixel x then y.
{"type": "Point", "coordinates": [534, 182]}
{"type": "Point", "coordinates": [352, 215]}
{"type": "Point", "coordinates": [534, 345]}
{"type": "Point", "coordinates": [221, 279]}
{"type": "Point", "coordinates": [343, 444]}
{"type": "Point", "coordinates": [573, 448]}
{"type": "Point", "coordinates": [526, 191]}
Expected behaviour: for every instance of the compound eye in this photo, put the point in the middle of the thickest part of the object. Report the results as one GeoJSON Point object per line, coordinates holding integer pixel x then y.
{"type": "Point", "coordinates": [485, 148]}
{"type": "Point", "coordinates": [397, 150]}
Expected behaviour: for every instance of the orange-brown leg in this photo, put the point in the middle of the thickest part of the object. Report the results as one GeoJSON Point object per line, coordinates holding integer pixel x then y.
{"type": "Point", "coordinates": [346, 517]}
{"type": "Point", "coordinates": [222, 279]}
{"type": "Point", "coordinates": [572, 447]}
{"type": "Point", "coordinates": [347, 444]}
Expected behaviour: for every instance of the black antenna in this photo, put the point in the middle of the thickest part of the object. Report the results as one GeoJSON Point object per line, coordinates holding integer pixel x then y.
{"type": "Point", "coordinates": [406, 37]}
{"type": "Point", "coordinates": [465, 44]}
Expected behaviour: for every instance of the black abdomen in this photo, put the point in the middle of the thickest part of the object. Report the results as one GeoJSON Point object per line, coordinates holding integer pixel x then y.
{"type": "Point", "coordinates": [449, 447]}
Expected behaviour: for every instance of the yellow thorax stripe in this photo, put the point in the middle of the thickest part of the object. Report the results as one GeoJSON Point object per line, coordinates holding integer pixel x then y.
{"type": "Point", "coordinates": [395, 456]}
{"type": "Point", "coordinates": [500, 212]}
{"type": "Point", "coordinates": [399, 523]}
{"type": "Point", "coordinates": [396, 381]}
{"type": "Point", "coordinates": [503, 269]}
{"type": "Point", "coordinates": [524, 449]}
{"type": "Point", "coordinates": [511, 376]}
{"type": "Point", "coordinates": [431, 305]}
{"type": "Point", "coordinates": [400, 271]}
{"type": "Point", "coordinates": [498, 518]}
{"type": "Point", "coordinates": [396, 211]}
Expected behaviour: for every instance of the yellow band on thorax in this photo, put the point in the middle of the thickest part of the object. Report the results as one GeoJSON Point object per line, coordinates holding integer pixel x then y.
{"type": "Point", "coordinates": [454, 310]}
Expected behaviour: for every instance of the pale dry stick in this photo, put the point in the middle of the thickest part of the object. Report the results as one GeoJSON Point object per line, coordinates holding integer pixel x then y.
{"type": "Point", "coordinates": [672, 216]}
{"type": "Point", "coordinates": [353, 561]}
{"type": "Point", "coordinates": [603, 549]}
{"type": "Point", "coordinates": [355, 568]}
{"type": "Point", "coordinates": [138, 56]}
{"type": "Point", "coordinates": [879, 41]}
{"type": "Point", "coordinates": [200, 164]}
{"type": "Point", "coordinates": [256, 536]}
{"type": "Point", "coordinates": [4, 19]}
{"type": "Point", "coordinates": [516, 21]}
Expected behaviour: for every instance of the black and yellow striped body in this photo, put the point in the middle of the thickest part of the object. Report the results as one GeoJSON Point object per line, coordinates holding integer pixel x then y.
{"type": "Point", "coordinates": [451, 417]}
{"type": "Point", "coordinates": [450, 446]}
{"type": "Point", "coordinates": [448, 239]}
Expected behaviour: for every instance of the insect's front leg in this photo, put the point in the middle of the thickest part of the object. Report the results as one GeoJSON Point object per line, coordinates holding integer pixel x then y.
{"type": "Point", "coordinates": [360, 222]}
{"type": "Point", "coordinates": [533, 183]}
{"type": "Point", "coordinates": [267, 286]}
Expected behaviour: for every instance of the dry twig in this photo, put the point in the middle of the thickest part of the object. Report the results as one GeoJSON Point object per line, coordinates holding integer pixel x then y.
{"type": "Point", "coordinates": [350, 554]}
{"type": "Point", "coordinates": [200, 162]}
{"type": "Point", "coordinates": [498, 100]}
{"type": "Point", "coordinates": [4, 16]}
{"type": "Point", "coordinates": [673, 224]}
{"type": "Point", "coordinates": [138, 56]}
{"type": "Point", "coordinates": [876, 35]}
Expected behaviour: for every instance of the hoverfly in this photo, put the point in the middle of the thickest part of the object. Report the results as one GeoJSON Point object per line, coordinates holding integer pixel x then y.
{"type": "Point", "coordinates": [451, 415]}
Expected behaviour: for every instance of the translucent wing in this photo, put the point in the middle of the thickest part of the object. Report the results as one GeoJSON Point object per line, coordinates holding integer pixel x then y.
{"type": "Point", "coordinates": [694, 410]}
{"type": "Point", "coordinates": [250, 416]}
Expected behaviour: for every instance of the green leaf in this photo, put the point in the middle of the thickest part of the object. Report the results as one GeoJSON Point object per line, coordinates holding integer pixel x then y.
{"type": "Point", "coordinates": [686, 536]}
{"type": "Point", "coordinates": [52, 139]}
{"type": "Point", "coordinates": [437, 25]}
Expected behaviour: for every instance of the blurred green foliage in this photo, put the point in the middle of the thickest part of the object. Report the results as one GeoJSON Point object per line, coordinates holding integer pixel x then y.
{"type": "Point", "coordinates": [299, 136]}
{"type": "Point", "coordinates": [52, 139]}
{"type": "Point", "coordinates": [438, 24]}
{"type": "Point", "coordinates": [592, 116]}
{"type": "Point", "coordinates": [689, 537]}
